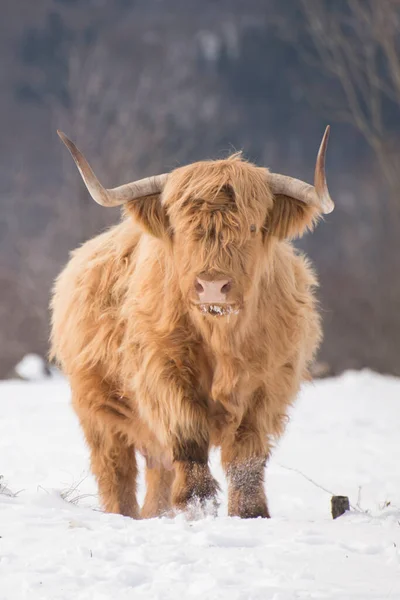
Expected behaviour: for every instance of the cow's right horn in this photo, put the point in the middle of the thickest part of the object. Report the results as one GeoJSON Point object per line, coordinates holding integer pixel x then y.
{"type": "Point", "coordinates": [116, 196]}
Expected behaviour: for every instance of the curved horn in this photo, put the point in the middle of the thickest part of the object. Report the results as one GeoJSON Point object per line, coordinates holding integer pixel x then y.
{"type": "Point", "coordinates": [118, 195]}
{"type": "Point", "coordinates": [318, 194]}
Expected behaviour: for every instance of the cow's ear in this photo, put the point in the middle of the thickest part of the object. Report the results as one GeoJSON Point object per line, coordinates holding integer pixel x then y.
{"type": "Point", "coordinates": [151, 215]}
{"type": "Point", "coordinates": [290, 218]}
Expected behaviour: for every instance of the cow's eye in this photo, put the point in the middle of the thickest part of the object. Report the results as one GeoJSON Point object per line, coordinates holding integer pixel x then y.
{"type": "Point", "coordinates": [253, 228]}
{"type": "Point", "coordinates": [200, 232]}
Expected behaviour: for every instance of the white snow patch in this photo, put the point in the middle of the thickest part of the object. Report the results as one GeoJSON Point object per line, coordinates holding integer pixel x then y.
{"type": "Point", "coordinates": [31, 368]}
{"type": "Point", "coordinates": [343, 435]}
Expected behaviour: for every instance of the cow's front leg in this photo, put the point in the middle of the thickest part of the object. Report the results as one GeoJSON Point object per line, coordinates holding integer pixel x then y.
{"type": "Point", "coordinates": [244, 455]}
{"type": "Point", "coordinates": [246, 488]}
{"type": "Point", "coordinates": [195, 489]}
{"type": "Point", "coordinates": [177, 411]}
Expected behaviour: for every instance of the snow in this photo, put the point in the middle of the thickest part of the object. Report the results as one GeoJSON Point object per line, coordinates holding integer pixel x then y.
{"type": "Point", "coordinates": [342, 438]}
{"type": "Point", "coordinates": [31, 367]}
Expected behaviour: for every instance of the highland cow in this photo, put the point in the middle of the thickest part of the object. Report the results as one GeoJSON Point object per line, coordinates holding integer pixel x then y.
{"type": "Point", "coordinates": [190, 325]}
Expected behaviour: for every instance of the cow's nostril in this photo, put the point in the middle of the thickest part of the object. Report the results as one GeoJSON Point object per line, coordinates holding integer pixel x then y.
{"type": "Point", "coordinates": [226, 287]}
{"type": "Point", "coordinates": [198, 287]}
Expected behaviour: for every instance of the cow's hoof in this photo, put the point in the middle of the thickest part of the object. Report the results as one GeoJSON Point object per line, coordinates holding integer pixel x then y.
{"type": "Point", "coordinates": [250, 511]}
{"type": "Point", "coordinates": [196, 496]}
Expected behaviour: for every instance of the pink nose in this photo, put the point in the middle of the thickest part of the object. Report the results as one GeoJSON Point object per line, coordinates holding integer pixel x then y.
{"type": "Point", "coordinates": [212, 292]}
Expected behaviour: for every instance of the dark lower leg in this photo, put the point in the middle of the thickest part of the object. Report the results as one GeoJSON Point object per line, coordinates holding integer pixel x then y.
{"type": "Point", "coordinates": [246, 495]}
{"type": "Point", "coordinates": [244, 455]}
{"type": "Point", "coordinates": [193, 484]}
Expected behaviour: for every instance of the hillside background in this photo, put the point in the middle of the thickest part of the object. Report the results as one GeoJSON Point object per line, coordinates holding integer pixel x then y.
{"type": "Point", "coordinates": [146, 85]}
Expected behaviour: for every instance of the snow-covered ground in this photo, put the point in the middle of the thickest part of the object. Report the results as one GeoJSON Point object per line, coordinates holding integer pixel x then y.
{"type": "Point", "coordinates": [343, 438]}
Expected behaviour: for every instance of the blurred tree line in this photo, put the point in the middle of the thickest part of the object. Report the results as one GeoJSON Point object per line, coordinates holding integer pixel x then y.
{"type": "Point", "coordinates": [146, 85]}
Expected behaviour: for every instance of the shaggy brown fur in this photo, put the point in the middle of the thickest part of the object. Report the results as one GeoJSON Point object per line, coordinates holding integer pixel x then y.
{"type": "Point", "coordinates": [151, 372]}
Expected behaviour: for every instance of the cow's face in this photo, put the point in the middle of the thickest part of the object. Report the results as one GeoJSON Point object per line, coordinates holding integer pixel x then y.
{"type": "Point", "coordinates": [217, 213]}
{"type": "Point", "coordinates": [217, 252]}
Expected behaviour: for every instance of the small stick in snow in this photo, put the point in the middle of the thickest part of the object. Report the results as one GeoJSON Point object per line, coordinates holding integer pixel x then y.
{"type": "Point", "coordinates": [339, 506]}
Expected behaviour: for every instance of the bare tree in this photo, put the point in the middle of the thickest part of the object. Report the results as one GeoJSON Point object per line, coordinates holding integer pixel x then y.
{"type": "Point", "coordinates": [357, 42]}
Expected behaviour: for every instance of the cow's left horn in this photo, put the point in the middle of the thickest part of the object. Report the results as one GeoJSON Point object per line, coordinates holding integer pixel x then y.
{"type": "Point", "coordinates": [318, 194]}
{"type": "Point", "coordinates": [118, 195]}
